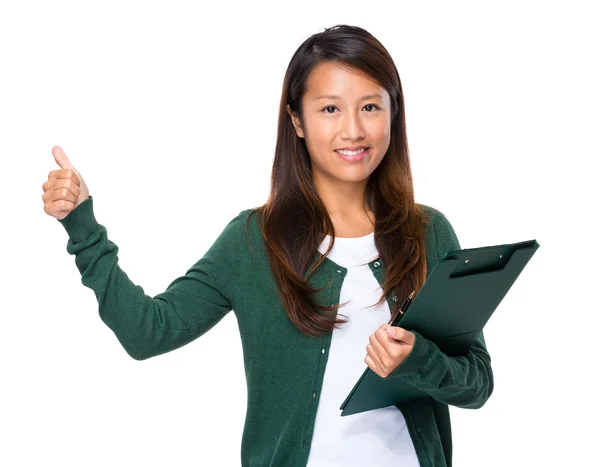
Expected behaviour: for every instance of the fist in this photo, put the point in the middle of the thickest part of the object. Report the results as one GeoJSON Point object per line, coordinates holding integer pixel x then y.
{"type": "Point", "coordinates": [65, 188]}
{"type": "Point", "coordinates": [389, 347]}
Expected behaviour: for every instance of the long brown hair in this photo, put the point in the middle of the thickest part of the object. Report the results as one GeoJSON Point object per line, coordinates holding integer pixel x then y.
{"type": "Point", "coordinates": [294, 220]}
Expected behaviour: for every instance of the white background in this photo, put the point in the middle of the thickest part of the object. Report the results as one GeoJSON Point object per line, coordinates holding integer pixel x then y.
{"type": "Point", "coordinates": [169, 111]}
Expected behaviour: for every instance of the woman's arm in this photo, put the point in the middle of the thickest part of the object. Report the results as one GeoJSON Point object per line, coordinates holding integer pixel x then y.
{"type": "Point", "coordinates": [464, 381]}
{"type": "Point", "coordinates": [149, 326]}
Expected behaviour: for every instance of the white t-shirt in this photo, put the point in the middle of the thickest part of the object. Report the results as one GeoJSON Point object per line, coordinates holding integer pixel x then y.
{"type": "Point", "coordinates": [377, 437]}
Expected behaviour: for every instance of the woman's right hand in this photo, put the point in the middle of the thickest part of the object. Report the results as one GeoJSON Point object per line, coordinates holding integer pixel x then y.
{"type": "Point", "coordinates": [65, 188]}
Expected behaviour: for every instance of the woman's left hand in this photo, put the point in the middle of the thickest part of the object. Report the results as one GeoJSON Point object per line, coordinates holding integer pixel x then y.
{"type": "Point", "coordinates": [389, 346]}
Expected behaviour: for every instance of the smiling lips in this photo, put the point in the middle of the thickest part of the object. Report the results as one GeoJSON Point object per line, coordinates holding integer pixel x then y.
{"type": "Point", "coordinates": [352, 156]}
{"type": "Point", "coordinates": [352, 148]}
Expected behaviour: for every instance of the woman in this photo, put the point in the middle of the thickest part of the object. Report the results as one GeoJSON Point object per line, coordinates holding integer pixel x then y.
{"type": "Point", "coordinates": [340, 227]}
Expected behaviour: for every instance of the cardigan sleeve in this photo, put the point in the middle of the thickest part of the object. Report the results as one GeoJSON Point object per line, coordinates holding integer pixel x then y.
{"type": "Point", "coordinates": [464, 381]}
{"type": "Point", "coordinates": [149, 326]}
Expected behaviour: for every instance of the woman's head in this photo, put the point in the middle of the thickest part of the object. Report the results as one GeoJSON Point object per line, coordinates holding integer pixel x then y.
{"type": "Point", "coordinates": [348, 62]}
{"type": "Point", "coordinates": [342, 109]}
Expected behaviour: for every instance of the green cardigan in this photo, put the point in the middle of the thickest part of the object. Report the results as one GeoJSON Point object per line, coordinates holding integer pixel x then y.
{"type": "Point", "coordinates": [284, 367]}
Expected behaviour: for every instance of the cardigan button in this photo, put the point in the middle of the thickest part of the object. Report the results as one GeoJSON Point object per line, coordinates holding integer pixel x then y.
{"type": "Point", "coordinates": [376, 264]}
{"type": "Point", "coordinates": [395, 298]}
{"type": "Point", "coordinates": [339, 270]}
{"type": "Point", "coordinates": [322, 350]}
{"type": "Point", "coordinates": [314, 395]}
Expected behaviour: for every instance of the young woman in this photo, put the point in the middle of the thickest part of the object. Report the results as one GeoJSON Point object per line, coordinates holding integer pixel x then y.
{"type": "Point", "coordinates": [340, 229]}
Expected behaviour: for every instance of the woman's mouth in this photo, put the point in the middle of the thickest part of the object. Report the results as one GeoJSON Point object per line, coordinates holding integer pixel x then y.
{"type": "Point", "coordinates": [353, 156]}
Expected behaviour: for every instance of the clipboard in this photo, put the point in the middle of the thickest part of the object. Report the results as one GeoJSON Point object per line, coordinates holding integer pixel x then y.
{"type": "Point", "coordinates": [451, 309]}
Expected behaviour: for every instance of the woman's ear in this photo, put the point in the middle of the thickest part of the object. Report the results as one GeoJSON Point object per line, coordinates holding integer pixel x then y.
{"type": "Point", "coordinates": [296, 122]}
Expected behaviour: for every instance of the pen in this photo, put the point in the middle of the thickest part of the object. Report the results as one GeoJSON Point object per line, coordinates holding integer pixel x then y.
{"type": "Point", "coordinates": [403, 307]}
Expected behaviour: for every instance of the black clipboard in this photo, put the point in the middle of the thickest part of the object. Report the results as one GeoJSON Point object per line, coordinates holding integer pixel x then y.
{"type": "Point", "coordinates": [451, 309]}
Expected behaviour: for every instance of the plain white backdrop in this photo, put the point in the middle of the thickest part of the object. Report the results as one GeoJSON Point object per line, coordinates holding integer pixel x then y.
{"type": "Point", "coordinates": [169, 111]}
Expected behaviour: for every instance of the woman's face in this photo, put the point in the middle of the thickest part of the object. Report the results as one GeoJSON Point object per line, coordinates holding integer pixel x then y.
{"type": "Point", "coordinates": [360, 116]}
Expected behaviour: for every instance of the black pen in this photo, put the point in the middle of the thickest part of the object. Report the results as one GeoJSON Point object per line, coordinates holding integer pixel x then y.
{"type": "Point", "coordinates": [403, 307]}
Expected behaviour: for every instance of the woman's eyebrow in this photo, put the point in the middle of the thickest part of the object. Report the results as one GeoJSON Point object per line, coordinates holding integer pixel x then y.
{"type": "Point", "coordinates": [331, 96]}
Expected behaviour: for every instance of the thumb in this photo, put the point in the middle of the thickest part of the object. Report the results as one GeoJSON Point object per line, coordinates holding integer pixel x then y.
{"type": "Point", "coordinates": [402, 335]}
{"type": "Point", "coordinates": [398, 333]}
{"type": "Point", "coordinates": [61, 158]}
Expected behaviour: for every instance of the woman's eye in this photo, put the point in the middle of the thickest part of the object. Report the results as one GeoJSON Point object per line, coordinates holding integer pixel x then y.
{"type": "Point", "coordinates": [334, 107]}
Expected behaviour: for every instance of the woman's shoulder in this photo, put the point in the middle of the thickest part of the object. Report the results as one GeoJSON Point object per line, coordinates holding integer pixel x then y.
{"type": "Point", "coordinates": [241, 224]}
{"type": "Point", "coordinates": [432, 213]}
{"type": "Point", "coordinates": [441, 233]}
{"type": "Point", "coordinates": [439, 226]}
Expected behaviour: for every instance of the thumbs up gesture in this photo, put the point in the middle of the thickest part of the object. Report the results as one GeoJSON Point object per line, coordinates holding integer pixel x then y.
{"type": "Point", "coordinates": [65, 188]}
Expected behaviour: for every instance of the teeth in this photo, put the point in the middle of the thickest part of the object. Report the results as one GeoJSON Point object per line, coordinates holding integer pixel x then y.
{"type": "Point", "coordinates": [350, 153]}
